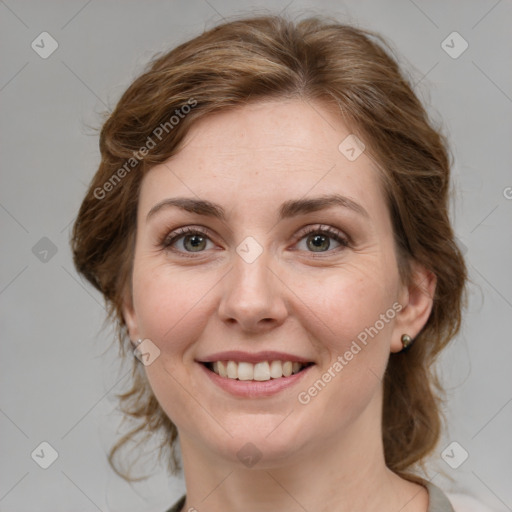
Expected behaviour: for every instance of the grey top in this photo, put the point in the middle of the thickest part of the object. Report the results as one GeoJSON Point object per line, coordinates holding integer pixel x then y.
{"type": "Point", "coordinates": [437, 500]}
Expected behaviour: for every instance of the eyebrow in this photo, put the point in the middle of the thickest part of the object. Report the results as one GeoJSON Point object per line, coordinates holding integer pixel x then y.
{"type": "Point", "coordinates": [302, 206]}
{"type": "Point", "coordinates": [288, 209]}
{"type": "Point", "coordinates": [199, 206]}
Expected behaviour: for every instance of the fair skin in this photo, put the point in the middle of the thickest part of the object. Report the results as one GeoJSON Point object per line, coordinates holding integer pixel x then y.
{"type": "Point", "coordinates": [307, 295]}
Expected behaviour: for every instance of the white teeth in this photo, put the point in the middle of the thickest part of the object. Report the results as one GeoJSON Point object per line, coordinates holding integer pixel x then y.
{"type": "Point", "coordinates": [232, 370]}
{"type": "Point", "coordinates": [276, 369]}
{"type": "Point", "coordinates": [262, 371]}
{"type": "Point", "coordinates": [245, 371]}
{"type": "Point", "coordinates": [223, 372]}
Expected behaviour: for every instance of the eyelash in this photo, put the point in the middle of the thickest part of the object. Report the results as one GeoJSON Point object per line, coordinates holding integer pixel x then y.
{"type": "Point", "coordinates": [333, 233]}
{"type": "Point", "coordinates": [170, 239]}
{"type": "Point", "coordinates": [328, 231]}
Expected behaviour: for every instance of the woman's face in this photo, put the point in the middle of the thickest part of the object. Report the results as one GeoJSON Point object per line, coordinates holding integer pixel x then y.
{"type": "Point", "coordinates": [264, 240]}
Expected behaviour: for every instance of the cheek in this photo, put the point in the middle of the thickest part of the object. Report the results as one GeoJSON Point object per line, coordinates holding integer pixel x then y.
{"type": "Point", "coordinates": [172, 311]}
{"type": "Point", "coordinates": [345, 304]}
{"type": "Point", "coordinates": [171, 306]}
{"type": "Point", "coordinates": [355, 341]}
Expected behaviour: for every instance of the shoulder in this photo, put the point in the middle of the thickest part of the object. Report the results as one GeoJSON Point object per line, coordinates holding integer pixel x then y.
{"type": "Point", "coordinates": [465, 503]}
{"type": "Point", "coordinates": [178, 505]}
{"type": "Point", "coordinates": [441, 501]}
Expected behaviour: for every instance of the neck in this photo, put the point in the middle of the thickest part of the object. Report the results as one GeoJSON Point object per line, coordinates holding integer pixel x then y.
{"type": "Point", "coordinates": [343, 473]}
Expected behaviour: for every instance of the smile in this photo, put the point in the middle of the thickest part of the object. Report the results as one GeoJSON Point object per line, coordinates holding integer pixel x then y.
{"type": "Point", "coordinates": [261, 371]}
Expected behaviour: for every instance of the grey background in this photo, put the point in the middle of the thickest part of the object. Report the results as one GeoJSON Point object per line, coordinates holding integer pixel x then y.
{"type": "Point", "coordinates": [57, 382]}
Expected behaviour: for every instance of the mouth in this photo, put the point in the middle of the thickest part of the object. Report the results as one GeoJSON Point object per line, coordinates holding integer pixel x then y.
{"type": "Point", "coordinates": [255, 375]}
{"type": "Point", "coordinates": [258, 372]}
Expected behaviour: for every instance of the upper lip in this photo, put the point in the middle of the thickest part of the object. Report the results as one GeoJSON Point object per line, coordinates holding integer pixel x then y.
{"type": "Point", "coordinates": [256, 357]}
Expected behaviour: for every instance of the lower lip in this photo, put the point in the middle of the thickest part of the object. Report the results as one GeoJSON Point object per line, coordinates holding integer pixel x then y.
{"type": "Point", "coordinates": [254, 388]}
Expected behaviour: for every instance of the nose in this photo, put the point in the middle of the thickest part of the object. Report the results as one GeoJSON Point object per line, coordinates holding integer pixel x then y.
{"type": "Point", "coordinates": [253, 297]}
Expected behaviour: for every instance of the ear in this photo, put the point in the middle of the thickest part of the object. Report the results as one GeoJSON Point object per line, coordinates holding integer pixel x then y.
{"type": "Point", "coordinates": [416, 299]}
{"type": "Point", "coordinates": [130, 318]}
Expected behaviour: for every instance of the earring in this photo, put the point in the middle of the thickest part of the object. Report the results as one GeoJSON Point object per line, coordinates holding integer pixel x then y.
{"type": "Point", "coordinates": [135, 345]}
{"type": "Point", "coordinates": [136, 351]}
{"type": "Point", "coordinates": [406, 341]}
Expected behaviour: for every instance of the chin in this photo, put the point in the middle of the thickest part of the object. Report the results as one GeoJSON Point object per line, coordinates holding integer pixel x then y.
{"type": "Point", "coordinates": [259, 453]}
{"type": "Point", "coordinates": [259, 443]}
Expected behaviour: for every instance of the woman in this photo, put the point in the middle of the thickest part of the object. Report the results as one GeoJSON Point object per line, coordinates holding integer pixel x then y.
{"type": "Point", "coordinates": [269, 227]}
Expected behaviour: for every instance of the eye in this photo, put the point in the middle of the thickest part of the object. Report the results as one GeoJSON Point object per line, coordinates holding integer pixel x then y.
{"type": "Point", "coordinates": [320, 239]}
{"type": "Point", "coordinates": [188, 240]}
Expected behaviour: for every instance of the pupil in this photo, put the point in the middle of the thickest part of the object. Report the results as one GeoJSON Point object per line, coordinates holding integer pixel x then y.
{"type": "Point", "coordinates": [195, 242]}
{"type": "Point", "coordinates": [318, 242]}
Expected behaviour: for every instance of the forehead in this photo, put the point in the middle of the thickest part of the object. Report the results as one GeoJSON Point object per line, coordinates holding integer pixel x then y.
{"type": "Point", "coordinates": [271, 151]}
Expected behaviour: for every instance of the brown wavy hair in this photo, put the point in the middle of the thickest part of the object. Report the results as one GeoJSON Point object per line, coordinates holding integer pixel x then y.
{"type": "Point", "coordinates": [258, 58]}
